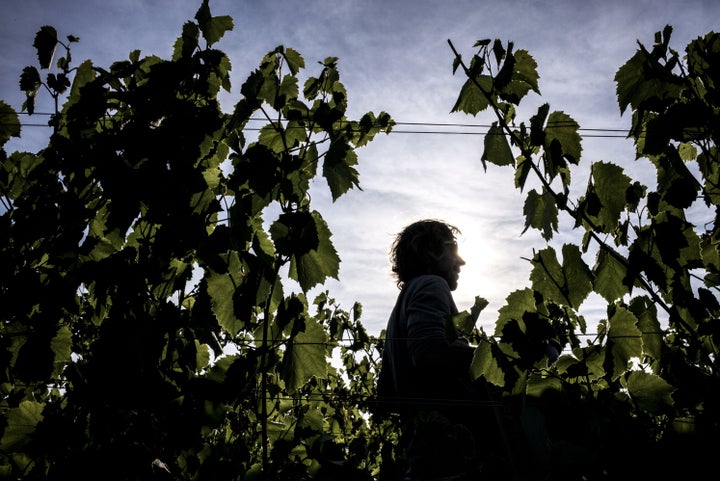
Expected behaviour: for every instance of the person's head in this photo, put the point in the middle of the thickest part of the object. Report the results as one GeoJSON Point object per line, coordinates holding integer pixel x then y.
{"type": "Point", "coordinates": [426, 247]}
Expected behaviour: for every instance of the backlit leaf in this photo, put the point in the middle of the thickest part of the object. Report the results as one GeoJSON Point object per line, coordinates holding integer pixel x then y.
{"type": "Point", "coordinates": [316, 265]}
{"type": "Point", "coordinates": [497, 149]}
{"type": "Point", "coordinates": [485, 365]}
{"type": "Point", "coordinates": [563, 129]}
{"type": "Point", "coordinates": [609, 276]}
{"type": "Point", "coordinates": [186, 44]}
{"type": "Point", "coordinates": [9, 123]}
{"type": "Point", "coordinates": [305, 356]}
{"type": "Point", "coordinates": [212, 28]}
{"type": "Point", "coordinates": [202, 355]}
{"type": "Point", "coordinates": [578, 276]}
{"type": "Point", "coordinates": [30, 80]}
{"type": "Point", "coordinates": [516, 305]}
{"type": "Point", "coordinates": [295, 61]}
{"type": "Point", "coordinates": [221, 288]}
{"type": "Point", "coordinates": [568, 284]}
{"type": "Point", "coordinates": [637, 83]}
{"type": "Point", "coordinates": [624, 341]}
{"type": "Point", "coordinates": [541, 213]}
{"type": "Point", "coordinates": [61, 346]}
{"type": "Point", "coordinates": [272, 136]}
{"type": "Point", "coordinates": [45, 43]}
{"type": "Point", "coordinates": [651, 392]}
{"type": "Point", "coordinates": [21, 422]}
{"type": "Point", "coordinates": [524, 78]}
{"type": "Point", "coordinates": [547, 276]}
{"type": "Point", "coordinates": [339, 168]}
{"type": "Point", "coordinates": [611, 185]}
{"type": "Point", "coordinates": [471, 99]}
{"type": "Point", "coordinates": [649, 325]}
{"type": "Point", "coordinates": [83, 75]}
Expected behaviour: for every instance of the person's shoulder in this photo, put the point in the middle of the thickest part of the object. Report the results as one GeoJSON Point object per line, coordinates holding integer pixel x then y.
{"type": "Point", "coordinates": [426, 281]}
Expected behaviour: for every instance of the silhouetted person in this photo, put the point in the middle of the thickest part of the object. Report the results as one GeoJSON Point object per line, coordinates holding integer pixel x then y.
{"type": "Point", "coordinates": [424, 378]}
{"type": "Point", "coordinates": [454, 428]}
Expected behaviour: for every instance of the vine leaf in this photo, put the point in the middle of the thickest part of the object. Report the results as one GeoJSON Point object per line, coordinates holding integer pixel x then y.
{"type": "Point", "coordinates": [305, 356]}
{"type": "Point", "coordinates": [563, 129]}
{"type": "Point", "coordinates": [294, 60]}
{"type": "Point", "coordinates": [61, 346]}
{"type": "Point", "coordinates": [316, 265]}
{"type": "Point", "coordinates": [21, 422]}
{"type": "Point", "coordinates": [339, 168]}
{"type": "Point", "coordinates": [652, 336]}
{"type": "Point", "coordinates": [471, 99]}
{"type": "Point", "coordinates": [610, 186]}
{"type": "Point", "coordinates": [609, 275]}
{"type": "Point", "coordinates": [463, 323]}
{"type": "Point", "coordinates": [524, 77]}
{"type": "Point", "coordinates": [541, 213]}
{"type": "Point", "coordinates": [651, 392]}
{"type": "Point", "coordinates": [516, 305]}
{"type": "Point", "coordinates": [221, 288]}
{"type": "Point", "coordinates": [484, 364]}
{"type": "Point", "coordinates": [45, 43]}
{"type": "Point", "coordinates": [212, 28]}
{"type": "Point", "coordinates": [624, 342]}
{"type": "Point", "coordinates": [568, 284]}
{"type": "Point", "coordinates": [30, 84]}
{"type": "Point", "coordinates": [9, 123]}
{"type": "Point", "coordinates": [497, 149]}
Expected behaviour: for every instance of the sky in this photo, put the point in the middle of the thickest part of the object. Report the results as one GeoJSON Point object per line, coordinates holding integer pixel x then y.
{"type": "Point", "coordinates": [394, 57]}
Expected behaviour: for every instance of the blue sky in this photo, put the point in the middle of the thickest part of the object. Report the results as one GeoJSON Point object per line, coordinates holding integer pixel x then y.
{"type": "Point", "coordinates": [394, 57]}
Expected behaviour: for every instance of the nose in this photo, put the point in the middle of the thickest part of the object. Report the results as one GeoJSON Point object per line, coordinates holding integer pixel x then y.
{"type": "Point", "coordinates": [460, 261]}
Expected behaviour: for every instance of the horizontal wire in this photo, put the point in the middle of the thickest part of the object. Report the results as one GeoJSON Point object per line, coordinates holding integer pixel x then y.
{"type": "Point", "coordinates": [382, 340]}
{"type": "Point", "coordinates": [426, 124]}
{"type": "Point", "coordinates": [416, 401]}
{"type": "Point", "coordinates": [429, 132]}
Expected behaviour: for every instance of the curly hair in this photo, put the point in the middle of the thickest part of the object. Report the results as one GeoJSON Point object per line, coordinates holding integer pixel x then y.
{"type": "Point", "coordinates": [418, 247]}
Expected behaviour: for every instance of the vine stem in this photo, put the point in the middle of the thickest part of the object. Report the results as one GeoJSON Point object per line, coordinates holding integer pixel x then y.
{"type": "Point", "coordinates": [264, 375]}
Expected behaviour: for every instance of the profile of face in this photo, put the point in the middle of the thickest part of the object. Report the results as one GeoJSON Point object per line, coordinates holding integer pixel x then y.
{"type": "Point", "coordinates": [449, 264]}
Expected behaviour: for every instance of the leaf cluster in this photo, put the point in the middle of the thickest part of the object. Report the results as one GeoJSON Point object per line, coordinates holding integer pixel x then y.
{"type": "Point", "coordinates": [648, 382]}
{"type": "Point", "coordinates": [149, 328]}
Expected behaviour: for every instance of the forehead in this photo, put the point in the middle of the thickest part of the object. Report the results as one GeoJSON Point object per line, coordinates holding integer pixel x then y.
{"type": "Point", "coordinates": [450, 246]}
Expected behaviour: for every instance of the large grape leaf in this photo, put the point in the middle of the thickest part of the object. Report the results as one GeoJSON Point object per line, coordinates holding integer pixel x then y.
{"type": "Point", "coordinates": [316, 265]}
{"type": "Point", "coordinates": [652, 393]}
{"type": "Point", "coordinates": [624, 342]}
{"type": "Point", "coordinates": [516, 305]}
{"type": "Point", "coordinates": [305, 356]}
{"type": "Point", "coordinates": [213, 28]}
{"type": "Point", "coordinates": [541, 213]}
{"type": "Point", "coordinates": [339, 167]}
{"type": "Point", "coordinates": [637, 82]}
{"type": "Point", "coordinates": [21, 422]}
{"type": "Point", "coordinates": [221, 288]}
{"type": "Point", "coordinates": [567, 284]}
{"type": "Point", "coordinates": [610, 186]}
{"type": "Point", "coordinates": [9, 123]}
{"type": "Point", "coordinates": [609, 276]}
{"type": "Point", "coordinates": [523, 79]}
{"type": "Point", "coordinates": [45, 43]}
{"type": "Point", "coordinates": [485, 364]}
{"type": "Point", "coordinates": [471, 99]}
{"type": "Point", "coordinates": [497, 149]}
{"type": "Point", "coordinates": [61, 346]}
{"type": "Point", "coordinates": [649, 325]}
